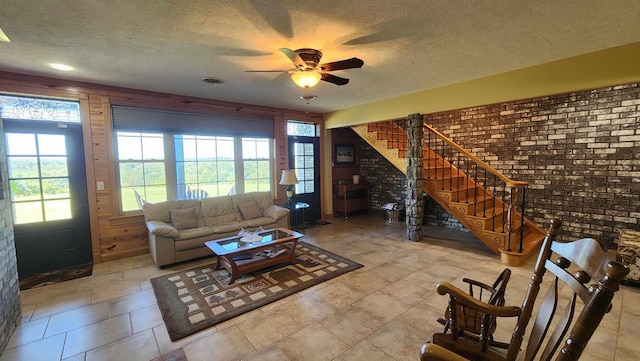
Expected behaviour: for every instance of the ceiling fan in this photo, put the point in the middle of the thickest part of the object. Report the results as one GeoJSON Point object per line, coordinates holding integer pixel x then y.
{"type": "Point", "coordinates": [308, 72]}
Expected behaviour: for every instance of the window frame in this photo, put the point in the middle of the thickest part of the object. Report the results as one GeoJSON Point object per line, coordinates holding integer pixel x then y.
{"type": "Point", "coordinates": [170, 164]}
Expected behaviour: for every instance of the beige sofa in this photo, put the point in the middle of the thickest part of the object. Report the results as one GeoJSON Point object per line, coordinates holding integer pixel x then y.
{"type": "Point", "coordinates": [179, 229]}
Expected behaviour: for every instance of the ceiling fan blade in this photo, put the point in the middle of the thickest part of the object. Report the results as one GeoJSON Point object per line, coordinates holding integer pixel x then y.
{"type": "Point", "coordinates": [4, 37]}
{"type": "Point", "coordinates": [294, 57]}
{"type": "Point", "coordinates": [342, 64]}
{"type": "Point", "coordinates": [267, 71]}
{"type": "Point", "coordinates": [334, 79]}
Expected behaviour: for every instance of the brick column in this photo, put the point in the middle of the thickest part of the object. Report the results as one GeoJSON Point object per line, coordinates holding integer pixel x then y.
{"type": "Point", "coordinates": [9, 285]}
{"type": "Point", "coordinates": [415, 182]}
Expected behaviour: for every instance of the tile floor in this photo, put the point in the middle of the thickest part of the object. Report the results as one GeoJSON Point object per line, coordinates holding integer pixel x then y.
{"type": "Point", "coordinates": [383, 311]}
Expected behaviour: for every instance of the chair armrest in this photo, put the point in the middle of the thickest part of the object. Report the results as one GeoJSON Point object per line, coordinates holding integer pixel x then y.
{"type": "Point", "coordinates": [478, 283]}
{"type": "Point", "coordinates": [433, 352]}
{"type": "Point", "coordinates": [462, 298]}
{"type": "Point", "coordinates": [275, 212]}
{"type": "Point", "coordinates": [160, 228]}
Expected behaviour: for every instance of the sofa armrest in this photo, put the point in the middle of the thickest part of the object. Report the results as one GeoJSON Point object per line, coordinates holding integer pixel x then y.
{"type": "Point", "coordinates": [160, 228]}
{"type": "Point", "coordinates": [162, 250]}
{"type": "Point", "coordinates": [275, 212]}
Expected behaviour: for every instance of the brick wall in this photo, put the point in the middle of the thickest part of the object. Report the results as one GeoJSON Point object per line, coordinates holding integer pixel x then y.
{"type": "Point", "coordinates": [9, 286]}
{"type": "Point", "coordinates": [580, 152]}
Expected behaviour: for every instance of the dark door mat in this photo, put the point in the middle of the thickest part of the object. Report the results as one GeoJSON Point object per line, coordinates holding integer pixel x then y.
{"type": "Point", "coordinates": [51, 277]}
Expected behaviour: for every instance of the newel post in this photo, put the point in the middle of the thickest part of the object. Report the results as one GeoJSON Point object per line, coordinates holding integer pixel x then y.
{"type": "Point", "coordinates": [415, 182]}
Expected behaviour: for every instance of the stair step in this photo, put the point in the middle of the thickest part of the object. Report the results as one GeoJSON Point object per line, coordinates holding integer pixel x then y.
{"type": "Point", "coordinates": [472, 207]}
{"type": "Point", "coordinates": [453, 195]}
{"type": "Point", "coordinates": [449, 181]}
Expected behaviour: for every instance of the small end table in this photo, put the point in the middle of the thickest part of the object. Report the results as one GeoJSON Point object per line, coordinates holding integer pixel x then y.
{"type": "Point", "coordinates": [300, 208]}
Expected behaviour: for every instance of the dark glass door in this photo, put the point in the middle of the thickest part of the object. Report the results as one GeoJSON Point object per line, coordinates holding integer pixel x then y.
{"type": "Point", "coordinates": [48, 191]}
{"type": "Point", "coordinates": [304, 157]}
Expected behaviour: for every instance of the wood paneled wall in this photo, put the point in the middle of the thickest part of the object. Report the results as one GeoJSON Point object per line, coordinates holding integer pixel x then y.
{"type": "Point", "coordinates": [115, 236]}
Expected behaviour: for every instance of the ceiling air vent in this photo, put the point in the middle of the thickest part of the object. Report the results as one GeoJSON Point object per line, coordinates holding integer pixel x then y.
{"type": "Point", "coordinates": [213, 80]}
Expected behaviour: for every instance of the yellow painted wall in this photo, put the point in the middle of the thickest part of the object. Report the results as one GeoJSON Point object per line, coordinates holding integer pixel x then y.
{"type": "Point", "coordinates": [613, 66]}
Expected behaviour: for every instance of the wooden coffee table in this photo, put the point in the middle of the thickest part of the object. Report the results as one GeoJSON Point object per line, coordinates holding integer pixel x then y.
{"type": "Point", "coordinates": [240, 256]}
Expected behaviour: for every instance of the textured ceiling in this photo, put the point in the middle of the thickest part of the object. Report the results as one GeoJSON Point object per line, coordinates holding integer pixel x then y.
{"type": "Point", "coordinates": [407, 46]}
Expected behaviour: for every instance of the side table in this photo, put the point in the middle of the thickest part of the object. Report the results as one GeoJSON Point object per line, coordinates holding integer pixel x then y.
{"type": "Point", "coordinates": [300, 208]}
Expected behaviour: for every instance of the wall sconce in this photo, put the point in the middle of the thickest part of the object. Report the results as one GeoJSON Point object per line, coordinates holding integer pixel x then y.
{"type": "Point", "coordinates": [306, 78]}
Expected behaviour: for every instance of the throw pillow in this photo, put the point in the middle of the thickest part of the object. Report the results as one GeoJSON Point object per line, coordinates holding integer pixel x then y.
{"type": "Point", "coordinates": [183, 218]}
{"type": "Point", "coordinates": [250, 210]}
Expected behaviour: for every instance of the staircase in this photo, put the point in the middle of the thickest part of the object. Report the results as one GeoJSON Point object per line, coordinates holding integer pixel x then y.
{"type": "Point", "coordinates": [486, 202]}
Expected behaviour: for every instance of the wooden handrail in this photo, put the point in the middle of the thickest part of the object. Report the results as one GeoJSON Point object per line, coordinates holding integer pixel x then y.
{"type": "Point", "coordinates": [509, 182]}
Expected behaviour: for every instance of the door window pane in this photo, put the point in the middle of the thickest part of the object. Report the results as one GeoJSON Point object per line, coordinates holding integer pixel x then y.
{"type": "Point", "coordinates": [39, 109]}
{"type": "Point", "coordinates": [304, 165]}
{"type": "Point", "coordinates": [301, 129]}
{"type": "Point", "coordinates": [57, 209]}
{"type": "Point", "coordinates": [21, 144]}
{"type": "Point", "coordinates": [25, 189]}
{"type": "Point", "coordinates": [23, 167]}
{"type": "Point", "coordinates": [51, 144]}
{"type": "Point", "coordinates": [53, 167]}
{"type": "Point", "coordinates": [55, 188]}
{"type": "Point", "coordinates": [39, 183]}
{"type": "Point", "coordinates": [27, 212]}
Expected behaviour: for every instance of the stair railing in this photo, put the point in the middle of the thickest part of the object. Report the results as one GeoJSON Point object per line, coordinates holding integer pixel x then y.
{"type": "Point", "coordinates": [477, 183]}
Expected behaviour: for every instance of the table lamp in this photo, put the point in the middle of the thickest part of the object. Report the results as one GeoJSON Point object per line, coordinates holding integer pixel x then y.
{"type": "Point", "coordinates": [289, 179]}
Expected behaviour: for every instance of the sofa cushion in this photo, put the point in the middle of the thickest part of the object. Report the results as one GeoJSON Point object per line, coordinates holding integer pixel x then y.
{"type": "Point", "coordinates": [275, 212]}
{"type": "Point", "coordinates": [158, 211]}
{"type": "Point", "coordinates": [183, 218]}
{"type": "Point", "coordinates": [218, 210]}
{"type": "Point", "coordinates": [263, 199]}
{"type": "Point", "coordinates": [161, 211]}
{"type": "Point", "coordinates": [227, 227]}
{"type": "Point", "coordinates": [250, 210]}
{"type": "Point", "coordinates": [196, 233]}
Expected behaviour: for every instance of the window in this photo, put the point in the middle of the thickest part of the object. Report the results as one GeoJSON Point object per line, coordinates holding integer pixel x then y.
{"type": "Point", "coordinates": [161, 166]}
{"type": "Point", "coordinates": [38, 177]}
{"type": "Point", "coordinates": [304, 158]}
{"type": "Point", "coordinates": [302, 129]}
{"type": "Point", "coordinates": [39, 109]}
{"type": "Point", "coordinates": [256, 161]}
{"type": "Point", "coordinates": [141, 167]}
{"type": "Point", "coordinates": [211, 163]}
{"type": "Point", "coordinates": [204, 164]}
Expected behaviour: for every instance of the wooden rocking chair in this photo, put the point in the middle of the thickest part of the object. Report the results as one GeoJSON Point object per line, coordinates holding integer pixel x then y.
{"type": "Point", "coordinates": [470, 320]}
{"type": "Point", "coordinates": [573, 264]}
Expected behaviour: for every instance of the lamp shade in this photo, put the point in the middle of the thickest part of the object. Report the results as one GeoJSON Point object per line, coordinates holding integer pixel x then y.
{"type": "Point", "coordinates": [288, 177]}
{"type": "Point", "coordinates": [306, 79]}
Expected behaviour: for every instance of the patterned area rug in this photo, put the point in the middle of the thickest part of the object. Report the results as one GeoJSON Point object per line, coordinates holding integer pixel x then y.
{"type": "Point", "coordinates": [199, 298]}
{"type": "Point", "coordinates": [49, 278]}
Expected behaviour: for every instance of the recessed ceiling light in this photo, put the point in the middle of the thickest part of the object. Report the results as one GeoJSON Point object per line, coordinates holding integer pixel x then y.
{"type": "Point", "coordinates": [63, 67]}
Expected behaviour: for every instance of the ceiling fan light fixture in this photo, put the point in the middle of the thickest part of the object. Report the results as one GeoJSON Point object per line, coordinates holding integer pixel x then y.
{"type": "Point", "coordinates": [306, 79]}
